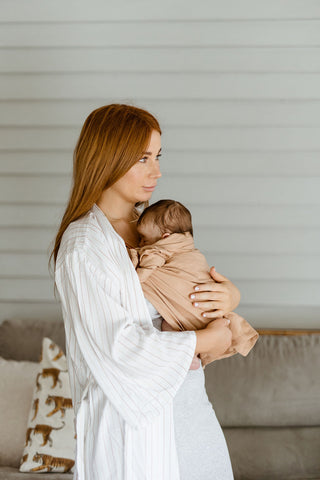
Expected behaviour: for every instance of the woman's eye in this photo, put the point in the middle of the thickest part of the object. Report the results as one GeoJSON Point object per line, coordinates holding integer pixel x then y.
{"type": "Point", "coordinates": [144, 159]}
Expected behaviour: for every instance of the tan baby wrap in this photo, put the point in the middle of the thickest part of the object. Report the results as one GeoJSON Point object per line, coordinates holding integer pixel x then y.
{"type": "Point", "coordinates": [168, 271]}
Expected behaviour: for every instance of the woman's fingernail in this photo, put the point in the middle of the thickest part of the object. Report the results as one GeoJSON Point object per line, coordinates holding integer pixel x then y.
{"type": "Point", "coordinates": [196, 288]}
{"type": "Point", "coordinates": [193, 296]}
{"type": "Point", "coordinates": [196, 304]}
{"type": "Point", "coordinates": [204, 314]}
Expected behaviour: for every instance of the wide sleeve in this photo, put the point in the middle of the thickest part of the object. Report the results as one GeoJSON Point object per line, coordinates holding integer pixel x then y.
{"type": "Point", "coordinates": [138, 368]}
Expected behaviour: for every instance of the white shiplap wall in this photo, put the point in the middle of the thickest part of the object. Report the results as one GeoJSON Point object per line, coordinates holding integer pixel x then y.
{"type": "Point", "coordinates": [235, 86]}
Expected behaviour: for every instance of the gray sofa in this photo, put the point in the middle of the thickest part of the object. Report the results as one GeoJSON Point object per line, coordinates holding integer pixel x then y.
{"type": "Point", "coordinates": [268, 403]}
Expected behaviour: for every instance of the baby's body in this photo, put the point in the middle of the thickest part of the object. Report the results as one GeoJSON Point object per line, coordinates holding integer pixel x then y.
{"type": "Point", "coordinates": [169, 267]}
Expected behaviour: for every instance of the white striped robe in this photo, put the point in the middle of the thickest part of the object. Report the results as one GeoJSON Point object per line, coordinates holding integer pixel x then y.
{"type": "Point", "coordinates": [123, 372]}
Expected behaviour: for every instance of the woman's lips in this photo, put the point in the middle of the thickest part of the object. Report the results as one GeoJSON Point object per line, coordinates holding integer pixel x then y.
{"type": "Point", "coordinates": [150, 189]}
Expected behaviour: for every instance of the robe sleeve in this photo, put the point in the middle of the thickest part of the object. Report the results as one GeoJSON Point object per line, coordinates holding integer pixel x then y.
{"type": "Point", "coordinates": [138, 368]}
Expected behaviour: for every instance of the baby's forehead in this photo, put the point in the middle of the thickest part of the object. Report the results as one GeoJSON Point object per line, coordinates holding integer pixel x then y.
{"type": "Point", "coordinates": [149, 222]}
{"type": "Point", "coordinates": [147, 218]}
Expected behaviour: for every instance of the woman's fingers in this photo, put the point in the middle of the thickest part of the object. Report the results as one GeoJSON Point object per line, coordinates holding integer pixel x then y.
{"type": "Point", "coordinates": [205, 296]}
{"type": "Point", "coordinates": [207, 306]}
{"type": "Point", "coordinates": [218, 277]}
{"type": "Point", "coordinates": [209, 287]}
{"type": "Point", "coordinates": [210, 302]}
{"type": "Point", "coordinates": [213, 314]}
{"type": "Point", "coordinates": [212, 296]}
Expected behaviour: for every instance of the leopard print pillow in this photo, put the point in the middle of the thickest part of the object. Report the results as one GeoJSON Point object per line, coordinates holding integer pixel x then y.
{"type": "Point", "coordinates": [50, 436]}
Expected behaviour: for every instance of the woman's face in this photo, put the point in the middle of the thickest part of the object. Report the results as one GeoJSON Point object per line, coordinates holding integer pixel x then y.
{"type": "Point", "coordinates": [139, 182]}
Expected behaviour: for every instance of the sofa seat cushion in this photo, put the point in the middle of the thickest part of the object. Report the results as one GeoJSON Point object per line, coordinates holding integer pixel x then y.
{"type": "Point", "coordinates": [11, 473]}
{"type": "Point", "coordinates": [274, 453]}
{"type": "Point", "coordinates": [277, 384]}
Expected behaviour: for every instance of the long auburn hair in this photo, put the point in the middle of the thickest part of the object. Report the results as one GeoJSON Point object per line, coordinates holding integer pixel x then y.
{"type": "Point", "coordinates": [111, 141]}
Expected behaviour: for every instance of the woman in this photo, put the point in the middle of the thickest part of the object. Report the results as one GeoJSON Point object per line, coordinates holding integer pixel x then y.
{"type": "Point", "coordinates": [124, 373]}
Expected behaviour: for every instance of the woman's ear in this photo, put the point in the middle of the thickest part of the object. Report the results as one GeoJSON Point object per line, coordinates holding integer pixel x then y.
{"type": "Point", "coordinates": [165, 235]}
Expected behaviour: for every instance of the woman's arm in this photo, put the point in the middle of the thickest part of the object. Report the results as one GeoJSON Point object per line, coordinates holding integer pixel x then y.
{"type": "Point", "coordinates": [137, 367]}
{"type": "Point", "coordinates": [216, 298]}
{"type": "Point", "coordinates": [212, 341]}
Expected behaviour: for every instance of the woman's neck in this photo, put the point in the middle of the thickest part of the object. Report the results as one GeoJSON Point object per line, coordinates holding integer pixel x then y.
{"type": "Point", "coordinates": [122, 217]}
{"type": "Point", "coordinates": [115, 209]}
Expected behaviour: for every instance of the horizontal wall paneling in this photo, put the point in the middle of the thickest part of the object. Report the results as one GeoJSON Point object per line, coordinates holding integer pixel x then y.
{"type": "Point", "coordinates": [97, 10]}
{"type": "Point", "coordinates": [213, 239]}
{"type": "Point", "coordinates": [250, 191]}
{"type": "Point", "coordinates": [221, 59]}
{"type": "Point", "coordinates": [173, 86]}
{"type": "Point", "coordinates": [221, 216]}
{"type": "Point", "coordinates": [235, 87]}
{"type": "Point", "coordinates": [173, 113]}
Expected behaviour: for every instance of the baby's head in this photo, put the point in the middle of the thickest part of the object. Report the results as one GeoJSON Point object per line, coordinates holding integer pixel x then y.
{"type": "Point", "coordinates": [162, 219]}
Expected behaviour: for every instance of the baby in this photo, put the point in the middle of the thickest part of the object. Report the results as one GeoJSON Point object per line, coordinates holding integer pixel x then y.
{"type": "Point", "coordinates": [169, 266]}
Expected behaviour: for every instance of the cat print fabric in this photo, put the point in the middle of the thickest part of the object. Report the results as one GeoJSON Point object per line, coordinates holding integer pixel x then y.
{"type": "Point", "coordinates": [50, 437]}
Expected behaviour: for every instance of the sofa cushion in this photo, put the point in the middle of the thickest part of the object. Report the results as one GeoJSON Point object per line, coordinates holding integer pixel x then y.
{"type": "Point", "coordinates": [21, 339]}
{"type": "Point", "coordinates": [10, 473]}
{"type": "Point", "coordinates": [274, 453]}
{"type": "Point", "coordinates": [274, 384]}
{"type": "Point", "coordinates": [50, 438]}
{"type": "Point", "coordinates": [277, 384]}
{"type": "Point", "coordinates": [16, 385]}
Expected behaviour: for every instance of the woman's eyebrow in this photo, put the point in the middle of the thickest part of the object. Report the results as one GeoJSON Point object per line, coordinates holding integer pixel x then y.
{"type": "Point", "coordinates": [150, 153]}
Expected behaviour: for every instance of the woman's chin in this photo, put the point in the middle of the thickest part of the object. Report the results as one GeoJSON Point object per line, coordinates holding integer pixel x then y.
{"type": "Point", "coordinates": [145, 197]}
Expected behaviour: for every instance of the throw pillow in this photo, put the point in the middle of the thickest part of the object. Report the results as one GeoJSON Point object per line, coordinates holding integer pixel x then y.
{"type": "Point", "coordinates": [16, 385]}
{"type": "Point", "coordinates": [50, 437]}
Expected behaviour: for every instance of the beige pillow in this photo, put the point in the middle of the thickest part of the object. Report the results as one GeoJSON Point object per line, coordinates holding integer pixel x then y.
{"type": "Point", "coordinates": [16, 386]}
{"type": "Point", "coordinates": [50, 437]}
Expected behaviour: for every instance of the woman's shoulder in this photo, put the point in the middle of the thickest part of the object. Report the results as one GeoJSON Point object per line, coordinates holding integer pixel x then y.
{"type": "Point", "coordinates": [87, 237]}
{"type": "Point", "coordinates": [82, 232]}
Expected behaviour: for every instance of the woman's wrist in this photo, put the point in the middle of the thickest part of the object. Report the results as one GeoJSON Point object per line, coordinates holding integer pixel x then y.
{"type": "Point", "coordinates": [202, 341]}
{"type": "Point", "coordinates": [215, 338]}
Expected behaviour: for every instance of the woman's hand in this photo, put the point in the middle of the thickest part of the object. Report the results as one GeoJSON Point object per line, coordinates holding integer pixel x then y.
{"type": "Point", "coordinates": [213, 340]}
{"type": "Point", "coordinates": [216, 299]}
{"type": "Point", "coordinates": [223, 337]}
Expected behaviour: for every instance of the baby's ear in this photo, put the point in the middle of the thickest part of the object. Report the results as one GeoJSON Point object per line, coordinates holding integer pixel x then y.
{"type": "Point", "coordinates": [165, 235]}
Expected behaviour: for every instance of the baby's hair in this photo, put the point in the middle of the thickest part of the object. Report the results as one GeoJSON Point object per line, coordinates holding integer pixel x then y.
{"type": "Point", "coordinates": [169, 216]}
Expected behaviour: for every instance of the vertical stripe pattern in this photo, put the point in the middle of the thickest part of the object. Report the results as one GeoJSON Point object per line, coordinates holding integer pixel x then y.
{"type": "Point", "coordinates": [123, 372]}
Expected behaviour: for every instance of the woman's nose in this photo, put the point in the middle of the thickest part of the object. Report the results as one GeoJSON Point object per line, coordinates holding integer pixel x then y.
{"type": "Point", "coordinates": [155, 172]}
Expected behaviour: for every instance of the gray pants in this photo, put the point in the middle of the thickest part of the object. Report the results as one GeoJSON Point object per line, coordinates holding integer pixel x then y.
{"type": "Point", "coordinates": [201, 446]}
